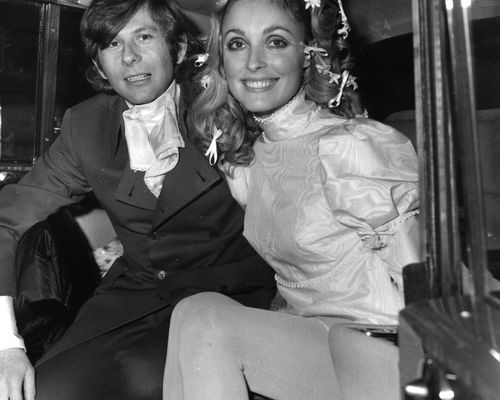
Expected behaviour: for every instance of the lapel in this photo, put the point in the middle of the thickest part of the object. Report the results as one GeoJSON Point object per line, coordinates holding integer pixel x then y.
{"type": "Point", "coordinates": [191, 177]}
{"type": "Point", "coordinates": [114, 126]}
{"type": "Point", "coordinates": [131, 189]}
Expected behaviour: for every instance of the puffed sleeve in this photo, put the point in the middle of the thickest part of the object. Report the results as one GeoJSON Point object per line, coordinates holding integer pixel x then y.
{"type": "Point", "coordinates": [369, 173]}
{"type": "Point", "coordinates": [370, 179]}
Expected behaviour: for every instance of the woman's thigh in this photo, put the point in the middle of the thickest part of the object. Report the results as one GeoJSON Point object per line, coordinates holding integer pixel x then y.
{"type": "Point", "coordinates": [367, 367]}
{"type": "Point", "coordinates": [281, 355]}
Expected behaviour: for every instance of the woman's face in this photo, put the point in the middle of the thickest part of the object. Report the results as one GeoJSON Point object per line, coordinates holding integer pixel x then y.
{"type": "Point", "coordinates": [263, 55]}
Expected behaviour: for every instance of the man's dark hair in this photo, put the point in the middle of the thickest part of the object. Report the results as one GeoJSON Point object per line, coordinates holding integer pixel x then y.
{"type": "Point", "coordinates": [104, 19]}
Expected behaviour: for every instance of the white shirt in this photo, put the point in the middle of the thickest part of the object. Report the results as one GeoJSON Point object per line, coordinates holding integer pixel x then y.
{"type": "Point", "coordinates": [153, 137]}
{"type": "Point", "coordinates": [9, 337]}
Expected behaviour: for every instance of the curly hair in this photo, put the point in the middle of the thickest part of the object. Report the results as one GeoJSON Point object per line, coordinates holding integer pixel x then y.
{"type": "Point", "coordinates": [215, 108]}
{"type": "Point", "coordinates": [104, 19]}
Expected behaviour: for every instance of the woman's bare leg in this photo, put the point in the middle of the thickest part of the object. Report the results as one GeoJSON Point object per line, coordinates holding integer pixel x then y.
{"type": "Point", "coordinates": [217, 347]}
{"type": "Point", "coordinates": [367, 367]}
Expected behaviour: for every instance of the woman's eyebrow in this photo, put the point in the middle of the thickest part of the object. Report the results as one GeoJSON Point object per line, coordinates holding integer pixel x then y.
{"type": "Point", "coordinates": [236, 31]}
{"type": "Point", "coordinates": [272, 28]}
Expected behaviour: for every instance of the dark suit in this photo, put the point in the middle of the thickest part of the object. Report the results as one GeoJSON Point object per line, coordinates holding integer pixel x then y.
{"type": "Point", "coordinates": [186, 241]}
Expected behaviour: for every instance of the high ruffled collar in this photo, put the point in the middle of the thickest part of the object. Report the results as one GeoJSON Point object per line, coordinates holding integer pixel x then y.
{"type": "Point", "coordinates": [290, 121]}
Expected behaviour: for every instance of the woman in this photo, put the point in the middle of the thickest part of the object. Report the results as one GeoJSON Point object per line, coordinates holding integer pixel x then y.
{"type": "Point", "coordinates": [331, 204]}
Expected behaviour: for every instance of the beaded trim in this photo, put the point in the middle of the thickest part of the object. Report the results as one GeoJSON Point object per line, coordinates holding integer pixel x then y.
{"type": "Point", "coordinates": [275, 115]}
{"type": "Point", "coordinates": [265, 138]}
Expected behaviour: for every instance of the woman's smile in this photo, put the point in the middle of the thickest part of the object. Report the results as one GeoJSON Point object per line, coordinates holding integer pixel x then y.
{"type": "Point", "coordinates": [253, 84]}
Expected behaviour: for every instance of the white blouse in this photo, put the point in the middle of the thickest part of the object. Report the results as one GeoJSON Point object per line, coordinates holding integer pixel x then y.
{"type": "Point", "coordinates": [331, 204]}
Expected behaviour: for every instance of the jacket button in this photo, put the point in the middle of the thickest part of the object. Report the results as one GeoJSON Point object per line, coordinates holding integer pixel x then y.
{"type": "Point", "coordinates": [212, 234]}
{"type": "Point", "coordinates": [161, 274]}
{"type": "Point", "coordinates": [155, 236]}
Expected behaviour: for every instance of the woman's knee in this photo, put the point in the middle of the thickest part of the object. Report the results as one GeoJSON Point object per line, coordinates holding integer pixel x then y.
{"type": "Point", "coordinates": [205, 311]}
{"type": "Point", "coordinates": [203, 322]}
{"type": "Point", "coordinates": [196, 303]}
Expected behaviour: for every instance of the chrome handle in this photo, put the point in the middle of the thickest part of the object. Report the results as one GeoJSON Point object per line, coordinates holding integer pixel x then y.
{"type": "Point", "coordinates": [416, 390]}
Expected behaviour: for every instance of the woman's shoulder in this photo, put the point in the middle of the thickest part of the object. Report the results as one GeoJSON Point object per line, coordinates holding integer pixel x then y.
{"type": "Point", "coordinates": [359, 127]}
{"type": "Point", "coordinates": [361, 132]}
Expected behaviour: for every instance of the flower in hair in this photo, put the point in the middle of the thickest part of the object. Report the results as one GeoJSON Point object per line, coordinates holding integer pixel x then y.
{"type": "Point", "coordinates": [364, 114]}
{"type": "Point", "coordinates": [324, 69]}
{"type": "Point", "coordinates": [334, 78]}
{"type": "Point", "coordinates": [351, 82]}
{"type": "Point", "coordinates": [310, 50]}
{"type": "Point", "coordinates": [205, 81]}
{"type": "Point", "coordinates": [211, 152]}
{"type": "Point", "coordinates": [201, 59]}
{"type": "Point", "coordinates": [312, 3]}
{"type": "Point", "coordinates": [321, 65]}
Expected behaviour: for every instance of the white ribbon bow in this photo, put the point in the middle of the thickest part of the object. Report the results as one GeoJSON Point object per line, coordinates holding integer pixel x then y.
{"type": "Point", "coordinates": [212, 149]}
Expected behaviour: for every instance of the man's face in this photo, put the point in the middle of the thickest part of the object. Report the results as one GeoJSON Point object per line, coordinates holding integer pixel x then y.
{"type": "Point", "coordinates": [137, 62]}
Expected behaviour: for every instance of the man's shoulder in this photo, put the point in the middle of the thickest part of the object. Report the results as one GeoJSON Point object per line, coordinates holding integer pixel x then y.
{"type": "Point", "coordinates": [98, 113]}
{"type": "Point", "coordinates": [100, 102]}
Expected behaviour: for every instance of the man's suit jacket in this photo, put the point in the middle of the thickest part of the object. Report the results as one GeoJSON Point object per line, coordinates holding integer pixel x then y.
{"type": "Point", "coordinates": [186, 241]}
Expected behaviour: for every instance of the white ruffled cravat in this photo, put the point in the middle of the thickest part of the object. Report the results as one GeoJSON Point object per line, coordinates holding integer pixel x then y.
{"type": "Point", "coordinates": [153, 138]}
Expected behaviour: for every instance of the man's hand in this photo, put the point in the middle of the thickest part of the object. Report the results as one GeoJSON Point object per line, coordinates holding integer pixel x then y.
{"type": "Point", "coordinates": [17, 376]}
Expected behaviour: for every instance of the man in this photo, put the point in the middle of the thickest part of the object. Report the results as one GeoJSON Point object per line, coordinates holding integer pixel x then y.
{"type": "Point", "coordinates": [172, 211]}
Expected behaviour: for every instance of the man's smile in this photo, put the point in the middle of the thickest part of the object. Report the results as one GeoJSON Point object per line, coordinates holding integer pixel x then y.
{"type": "Point", "coordinates": [138, 77]}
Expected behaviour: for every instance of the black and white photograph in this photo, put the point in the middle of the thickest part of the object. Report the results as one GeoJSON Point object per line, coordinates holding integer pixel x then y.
{"type": "Point", "coordinates": [249, 200]}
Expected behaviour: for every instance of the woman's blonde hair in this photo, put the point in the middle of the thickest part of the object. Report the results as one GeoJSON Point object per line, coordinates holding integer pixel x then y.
{"type": "Point", "coordinates": [214, 108]}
